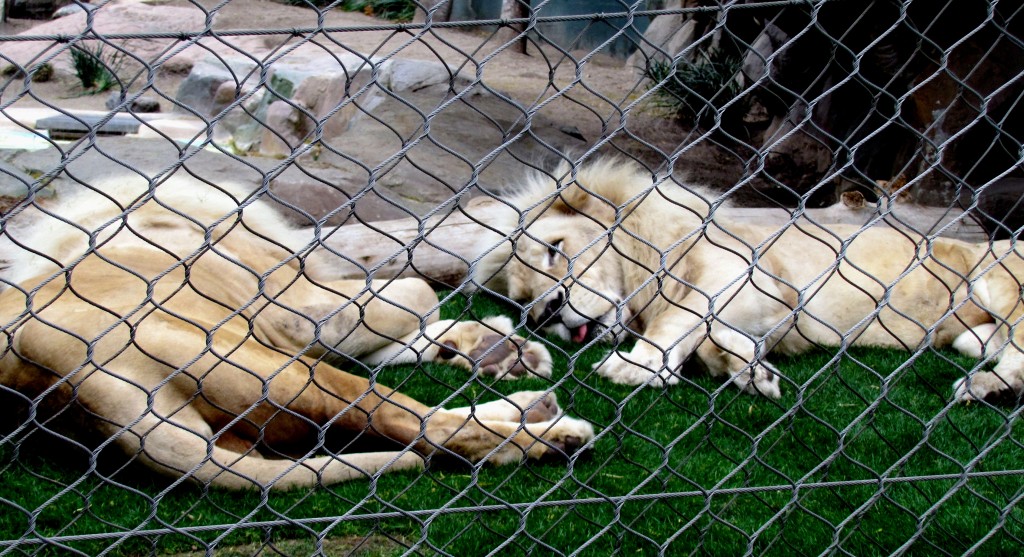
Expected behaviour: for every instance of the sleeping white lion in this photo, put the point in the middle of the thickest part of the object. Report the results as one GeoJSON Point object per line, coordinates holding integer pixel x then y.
{"type": "Point", "coordinates": [614, 250]}
{"type": "Point", "coordinates": [187, 324]}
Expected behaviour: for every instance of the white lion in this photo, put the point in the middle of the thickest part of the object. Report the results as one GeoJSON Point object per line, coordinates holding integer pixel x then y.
{"type": "Point", "coordinates": [185, 322]}
{"type": "Point", "coordinates": [613, 249]}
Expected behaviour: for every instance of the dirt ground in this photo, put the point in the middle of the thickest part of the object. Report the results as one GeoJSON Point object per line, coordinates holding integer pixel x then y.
{"type": "Point", "coordinates": [594, 95]}
{"type": "Point", "coordinates": [523, 76]}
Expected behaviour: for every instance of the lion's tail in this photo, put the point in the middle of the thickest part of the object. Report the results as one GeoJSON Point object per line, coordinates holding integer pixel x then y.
{"type": "Point", "coordinates": [226, 469]}
{"type": "Point", "coordinates": [254, 472]}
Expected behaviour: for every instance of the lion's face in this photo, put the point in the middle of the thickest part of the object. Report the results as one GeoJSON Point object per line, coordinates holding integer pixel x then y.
{"type": "Point", "coordinates": [565, 266]}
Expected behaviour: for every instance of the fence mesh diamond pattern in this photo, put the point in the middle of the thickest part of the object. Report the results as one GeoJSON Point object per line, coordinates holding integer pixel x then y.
{"type": "Point", "coordinates": [466, 277]}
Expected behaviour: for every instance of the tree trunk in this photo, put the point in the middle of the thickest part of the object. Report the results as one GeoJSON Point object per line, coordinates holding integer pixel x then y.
{"type": "Point", "coordinates": [442, 13]}
{"type": "Point", "coordinates": [514, 9]}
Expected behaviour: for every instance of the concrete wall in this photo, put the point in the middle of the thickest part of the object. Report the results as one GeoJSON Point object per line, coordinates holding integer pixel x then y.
{"type": "Point", "coordinates": [567, 34]}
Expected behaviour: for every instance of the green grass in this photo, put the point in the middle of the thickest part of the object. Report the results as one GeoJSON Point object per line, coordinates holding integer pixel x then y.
{"type": "Point", "coordinates": [696, 468]}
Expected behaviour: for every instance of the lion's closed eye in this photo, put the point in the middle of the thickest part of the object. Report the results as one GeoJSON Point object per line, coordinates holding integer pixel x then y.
{"type": "Point", "coordinates": [554, 250]}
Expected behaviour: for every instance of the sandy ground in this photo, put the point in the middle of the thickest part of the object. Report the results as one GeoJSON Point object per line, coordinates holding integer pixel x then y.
{"type": "Point", "coordinates": [594, 95]}
{"type": "Point", "coordinates": [525, 77]}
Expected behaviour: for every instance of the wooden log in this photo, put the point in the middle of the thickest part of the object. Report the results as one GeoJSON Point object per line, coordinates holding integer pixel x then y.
{"type": "Point", "coordinates": [442, 248]}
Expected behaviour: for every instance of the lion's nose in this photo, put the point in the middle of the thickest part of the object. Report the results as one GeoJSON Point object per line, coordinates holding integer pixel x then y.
{"type": "Point", "coordinates": [552, 312]}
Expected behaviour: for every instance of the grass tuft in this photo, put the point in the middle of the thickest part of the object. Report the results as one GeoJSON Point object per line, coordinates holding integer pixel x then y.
{"type": "Point", "coordinates": [95, 69]}
{"type": "Point", "coordinates": [694, 92]}
{"type": "Point", "coordinates": [393, 10]}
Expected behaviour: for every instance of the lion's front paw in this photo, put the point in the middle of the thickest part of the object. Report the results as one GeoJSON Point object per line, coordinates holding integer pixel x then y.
{"type": "Point", "coordinates": [987, 386]}
{"type": "Point", "coordinates": [627, 369]}
{"type": "Point", "coordinates": [764, 381]}
{"type": "Point", "coordinates": [492, 346]}
{"type": "Point", "coordinates": [562, 437]}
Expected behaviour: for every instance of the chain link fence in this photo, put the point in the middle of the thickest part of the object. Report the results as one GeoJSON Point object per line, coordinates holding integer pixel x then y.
{"type": "Point", "coordinates": [210, 209]}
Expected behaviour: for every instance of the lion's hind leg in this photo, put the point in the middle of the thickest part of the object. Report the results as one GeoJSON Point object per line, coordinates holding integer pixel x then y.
{"type": "Point", "coordinates": [165, 433]}
{"type": "Point", "coordinates": [174, 450]}
{"type": "Point", "coordinates": [1004, 384]}
{"type": "Point", "coordinates": [527, 424]}
{"type": "Point", "coordinates": [243, 471]}
{"type": "Point", "coordinates": [984, 341]}
{"type": "Point", "coordinates": [538, 406]}
{"type": "Point", "coordinates": [1001, 286]}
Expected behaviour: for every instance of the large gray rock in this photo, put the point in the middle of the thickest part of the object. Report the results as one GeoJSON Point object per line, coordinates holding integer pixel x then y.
{"type": "Point", "coordinates": [216, 84]}
{"type": "Point", "coordinates": [14, 185]}
{"type": "Point", "coordinates": [143, 104]}
{"type": "Point", "coordinates": [111, 17]}
{"type": "Point", "coordinates": [326, 85]}
{"type": "Point", "coordinates": [287, 127]}
{"type": "Point", "coordinates": [204, 91]}
{"type": "Point", "coordinates": [408, 135]}
{"type": "Point", "coordinates": [665, 38]}
{"type": "Point", "coordinates": [754, 62]}
{"type": "Point", "coordinates": [399, 75]}
{"type": "Point", "coordinates": [72, 9]}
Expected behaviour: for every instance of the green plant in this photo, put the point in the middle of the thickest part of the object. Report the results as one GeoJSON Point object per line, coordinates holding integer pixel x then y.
{"type": "Point", "coordinates": [395, 10]}
{"type": "Point", "coordinates": [96, 70]}
{"type": "Point", "coordinates": [695, 91]}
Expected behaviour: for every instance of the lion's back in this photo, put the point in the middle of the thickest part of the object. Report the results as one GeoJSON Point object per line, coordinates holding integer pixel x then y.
{"type": "Point", "coordinates": [178, 216]}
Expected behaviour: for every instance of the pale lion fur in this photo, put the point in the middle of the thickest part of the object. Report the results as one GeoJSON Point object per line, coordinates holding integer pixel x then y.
{"type": "Point", "coordinates": [610, 249]}
{"type": "Point", "coordinates": [51, 236]}
{"type": "Point", "coordinates": [186, 322]}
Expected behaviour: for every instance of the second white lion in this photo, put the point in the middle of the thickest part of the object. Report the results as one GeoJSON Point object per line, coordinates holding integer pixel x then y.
{"type": "Point", "coordinates": [616, 251]}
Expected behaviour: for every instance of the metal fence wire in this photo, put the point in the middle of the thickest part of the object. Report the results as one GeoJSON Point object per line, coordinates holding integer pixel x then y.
{"type": "Point", "coordinates": [662, 277]}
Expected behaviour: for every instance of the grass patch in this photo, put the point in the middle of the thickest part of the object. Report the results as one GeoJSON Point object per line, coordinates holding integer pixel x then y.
{"type": "Point", "coordinates": [697, 465]}
{"type": "Point", "coordinates": [394, 10]}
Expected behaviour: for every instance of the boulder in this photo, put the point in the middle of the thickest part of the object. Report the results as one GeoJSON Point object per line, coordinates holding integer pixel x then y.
{"type": "Point", "coordinates": [143, 104]}
{"type": "Point", "coordinates": [666, 37]}
{"type": "Point", "coordinates": [400, 75]}
{"type": "Point", "coordinates": [211, 84]}
{"type": "Point", "coordinates": [409, 134]}
{"type": "Point", "coordinates": [14, 186]}
{"type": "Point", "coordinates": [287, 126]}
{"type": "Point", "coordinates": [113, 17]}
{"type": "Point", "coordinates": [72, 9]}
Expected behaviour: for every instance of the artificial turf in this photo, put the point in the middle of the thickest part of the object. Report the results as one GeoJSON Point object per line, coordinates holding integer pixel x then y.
{"type": "Point", "coordinates": [864, 454]}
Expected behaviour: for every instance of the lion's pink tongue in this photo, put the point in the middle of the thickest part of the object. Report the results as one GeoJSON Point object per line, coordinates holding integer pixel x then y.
{"type": "Point", "coordinates": [579, 334]}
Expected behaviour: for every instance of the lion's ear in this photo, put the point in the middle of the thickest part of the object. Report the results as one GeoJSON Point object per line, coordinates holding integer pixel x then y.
{"type": "Point", "coordinates": [579, 200]}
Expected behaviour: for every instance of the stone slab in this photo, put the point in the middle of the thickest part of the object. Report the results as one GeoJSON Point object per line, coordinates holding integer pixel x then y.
{"type": "Point", "coordinates": [64, 126]}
